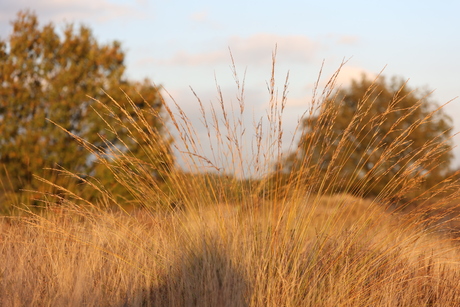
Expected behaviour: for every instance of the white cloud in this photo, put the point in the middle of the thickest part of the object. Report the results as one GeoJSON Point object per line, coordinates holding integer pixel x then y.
{"type": "Point", "coordinates": [70, 11]}
{"type": "Point", "coordinates": [183, 58]}
{"type": "Point", "coordinates": [340, 39]}
{"type": "Point", "coordinates": [257, 49]}
{"type": "Point", "coordinates": [202, 18]}
{"type": "Point", "coordinates": [199, 16]}
{"type": "Point", "coordinates": [349, 73]}
{"type": "Point", "coordinates": [253, 50]}
{"type": "Point", "coordinates": [348, 40]}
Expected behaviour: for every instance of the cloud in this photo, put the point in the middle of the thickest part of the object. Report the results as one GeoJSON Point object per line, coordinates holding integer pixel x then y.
{"type": "Point", "coordinates": [199, 16]}
{"type": "Point", "coordinates": [348, 40]}
{"type": "Point", "coordinates": [202, 18]}
{"type": "Point", "coordinates": [349, 73]}
{"type": "Point", "coordinates": [301, 98]}
{"type": "Point", "coordinates": [339, 39]}
{"type": "Point", "coordinates": [70, 11]}
{"type": "Point", "coordinates": [183, 58]}
{"type": "Point", "coordinates": [258, 48]}
{"type": "Point", "coordinates": [253, 50]}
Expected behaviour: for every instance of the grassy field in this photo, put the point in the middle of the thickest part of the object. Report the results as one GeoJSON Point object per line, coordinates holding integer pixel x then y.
{"type": "Point", "coordinates": [327, 251]}
{"type": "Point", "coordinates": [211, 239]}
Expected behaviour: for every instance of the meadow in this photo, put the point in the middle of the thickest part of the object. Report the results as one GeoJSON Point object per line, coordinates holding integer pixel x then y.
{"type": "Point", "coordinates": [219, 238]}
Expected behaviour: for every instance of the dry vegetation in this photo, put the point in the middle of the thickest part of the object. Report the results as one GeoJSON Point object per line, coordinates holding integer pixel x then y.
{"type": "Point", "coordinates": [220, 257]}
{"type": "Point", "coordinates": [215, 240]}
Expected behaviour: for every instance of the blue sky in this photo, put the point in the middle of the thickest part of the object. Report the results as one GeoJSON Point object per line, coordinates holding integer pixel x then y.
{"type": "Point", "coordinates": [181, 43]}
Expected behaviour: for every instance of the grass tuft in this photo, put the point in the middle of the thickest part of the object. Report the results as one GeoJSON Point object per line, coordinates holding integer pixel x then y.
{"type": "Point", "coordinates": [243, 233]}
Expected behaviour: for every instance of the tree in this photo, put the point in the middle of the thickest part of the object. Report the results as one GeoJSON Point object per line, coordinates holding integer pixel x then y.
{"type": "Point", "coordinates": [45, 79]}
{"type": "Point", "coordinates": [373, 138]}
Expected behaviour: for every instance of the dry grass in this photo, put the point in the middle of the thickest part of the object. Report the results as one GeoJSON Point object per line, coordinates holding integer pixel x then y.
{"type": "Point", "coordinates": [217, 240]}
{"type": "Point", "coordinates": [219, 257]}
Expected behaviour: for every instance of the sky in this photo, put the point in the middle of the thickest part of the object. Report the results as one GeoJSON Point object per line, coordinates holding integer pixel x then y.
{"type": "Point", "coordinates": [181, 44]}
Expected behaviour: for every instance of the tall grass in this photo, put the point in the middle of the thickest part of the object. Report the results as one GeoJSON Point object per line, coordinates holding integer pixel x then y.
{"type": "Point", "coordinates": [237, 235]}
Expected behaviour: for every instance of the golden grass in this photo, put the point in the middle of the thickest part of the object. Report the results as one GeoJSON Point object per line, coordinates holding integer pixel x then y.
{"type": "Point", "coordinates": [220, 257]}
{"type": "Point", "coordinates": [217, 240]}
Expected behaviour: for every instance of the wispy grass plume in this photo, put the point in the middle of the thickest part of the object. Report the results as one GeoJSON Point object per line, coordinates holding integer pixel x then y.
{"type": "Point", "coordinates": [232, 229]}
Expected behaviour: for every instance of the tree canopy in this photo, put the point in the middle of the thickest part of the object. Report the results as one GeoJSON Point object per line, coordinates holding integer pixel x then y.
{"type": "Point", "coordinates": [371, 136]}
{"type": "Point", "coordinates": [46, 78]}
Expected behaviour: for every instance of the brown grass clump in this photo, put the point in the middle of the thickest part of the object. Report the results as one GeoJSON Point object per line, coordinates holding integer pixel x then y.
{"type": "Point", "coordinates": [240, 235]}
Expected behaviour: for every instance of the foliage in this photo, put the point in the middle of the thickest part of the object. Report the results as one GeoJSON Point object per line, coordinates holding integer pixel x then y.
{"type": "Point", "coordinates": [361, 138]}
{"type": "Point", "coordinates": [45, 79]}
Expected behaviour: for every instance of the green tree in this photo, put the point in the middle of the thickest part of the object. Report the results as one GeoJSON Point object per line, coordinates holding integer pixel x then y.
{"type": "Point", "coordinates": [45, 79]}
{"type": "Point", "coordinates": [373, 137]}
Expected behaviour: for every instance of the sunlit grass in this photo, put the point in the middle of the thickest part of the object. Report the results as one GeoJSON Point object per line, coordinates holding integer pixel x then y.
{"type": "Point", "coordinates": [225, 238]}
